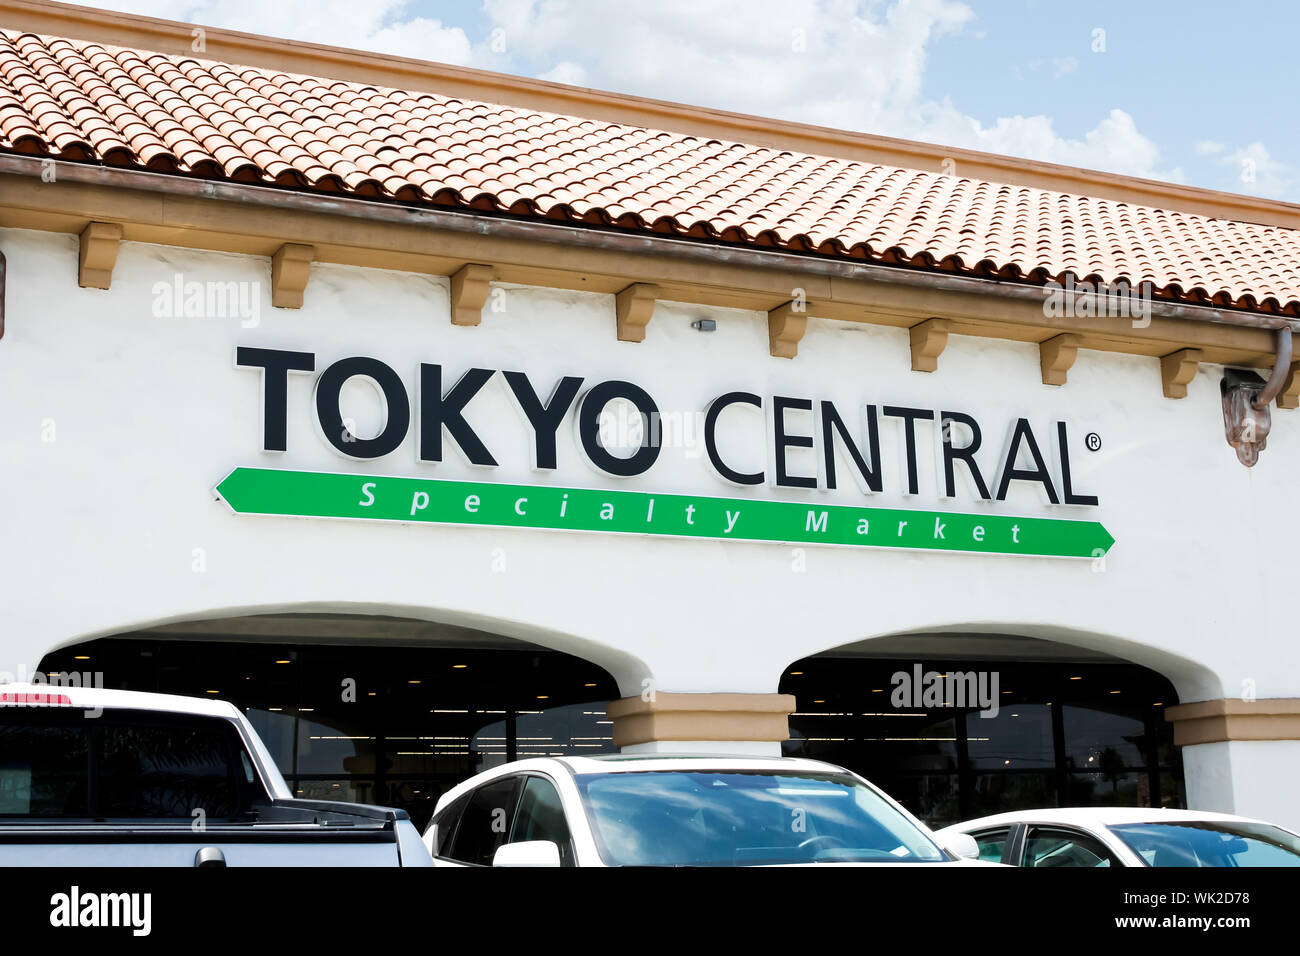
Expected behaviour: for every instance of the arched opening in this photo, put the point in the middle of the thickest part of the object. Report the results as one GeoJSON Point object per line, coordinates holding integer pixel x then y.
{"type": "Point", "coordinates": [367, 708]}
{"type": "Point", "coordinates": [957, 726]}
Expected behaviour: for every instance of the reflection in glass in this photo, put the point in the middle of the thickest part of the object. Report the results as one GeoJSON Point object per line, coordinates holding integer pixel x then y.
{"type": "Point", "coordinates": [1018, 737]}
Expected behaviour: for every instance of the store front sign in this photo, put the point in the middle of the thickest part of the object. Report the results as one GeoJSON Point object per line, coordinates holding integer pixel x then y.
{"type": "Point", "coordinates": [266, 491]}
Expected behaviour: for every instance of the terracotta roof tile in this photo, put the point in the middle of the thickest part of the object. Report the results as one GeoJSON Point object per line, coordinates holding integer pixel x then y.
{"type": "Point", "coordinates": [89, 102]}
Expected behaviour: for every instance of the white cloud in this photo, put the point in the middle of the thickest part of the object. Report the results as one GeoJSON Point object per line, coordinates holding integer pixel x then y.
{"type": "Point", "coordinates": [1061, 65]}
{"type": "Point", "coordinates": [838, 63]}
{"type": "Point", "coordinates": [851, 64]}
{"type": "Point", "coordinates": [1256, 171]}
{"type": "Point", "coordinates": [566, 72]}
{"type": "Point", "coordinates": [381, 26]}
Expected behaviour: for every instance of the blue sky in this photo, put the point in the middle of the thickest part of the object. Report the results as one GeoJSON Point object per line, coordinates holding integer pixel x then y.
{"type": "Point", "coordinates": [1193, 92]}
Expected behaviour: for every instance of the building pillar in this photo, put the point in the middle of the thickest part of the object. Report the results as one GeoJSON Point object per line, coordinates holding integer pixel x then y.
{"type": "Point", "coordinates": [1242, 756]}
{"type": "Point", "coordinates": [748, 724]}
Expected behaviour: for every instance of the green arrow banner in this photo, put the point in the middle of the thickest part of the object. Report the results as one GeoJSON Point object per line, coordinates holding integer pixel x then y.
{"type": "Point", "coordinates": [309, 494]}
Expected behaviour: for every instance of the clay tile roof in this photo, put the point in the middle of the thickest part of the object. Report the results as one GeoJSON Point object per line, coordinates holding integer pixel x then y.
{"type": "Point", "coordinates": [88, 102]}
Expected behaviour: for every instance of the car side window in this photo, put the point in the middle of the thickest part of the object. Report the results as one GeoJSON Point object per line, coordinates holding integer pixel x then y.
{"type": "Point", "coordinates": [1045, 846]}
{"type": "Point", "coordinates": [541, 817]}
{"type": "Point", "coordinates": [992, 843]}
{"type": "Point", "coordinates": [445, 826]}
{"type": "Point", "coordinates": [485, 822]}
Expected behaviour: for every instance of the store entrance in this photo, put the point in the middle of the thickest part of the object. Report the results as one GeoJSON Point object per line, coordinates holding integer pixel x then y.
{"type": "Point", "coordinates": [1065, 726]}
{"type": "Point", "coordinates": [366, 709]}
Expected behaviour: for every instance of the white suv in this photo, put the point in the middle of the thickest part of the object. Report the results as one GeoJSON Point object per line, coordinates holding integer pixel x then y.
{"type": "Point", "coordinates": [688, 810]}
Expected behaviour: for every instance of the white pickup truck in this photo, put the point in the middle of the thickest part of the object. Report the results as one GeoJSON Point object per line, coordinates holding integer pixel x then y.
{"type": "Point", "coordinates": [92, 777]}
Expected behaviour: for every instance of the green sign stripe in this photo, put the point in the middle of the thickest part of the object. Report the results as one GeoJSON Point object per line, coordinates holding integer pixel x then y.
{"type": "Point", "coordinates": [269, 491]}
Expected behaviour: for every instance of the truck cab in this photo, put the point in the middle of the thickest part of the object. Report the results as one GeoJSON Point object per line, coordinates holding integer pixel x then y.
{"type": "Point", "coordinates": [93, 777]}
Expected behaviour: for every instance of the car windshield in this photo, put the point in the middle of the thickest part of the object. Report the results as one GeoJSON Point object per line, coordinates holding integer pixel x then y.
{"type": "Point", "coordinates": [1211, 843]}
{"type": "Point", "coordinates": [746, 818]}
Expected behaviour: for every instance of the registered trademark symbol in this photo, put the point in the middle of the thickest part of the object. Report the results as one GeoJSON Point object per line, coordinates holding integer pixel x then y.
{"type": "Point", "coordinates": [1093, 441]}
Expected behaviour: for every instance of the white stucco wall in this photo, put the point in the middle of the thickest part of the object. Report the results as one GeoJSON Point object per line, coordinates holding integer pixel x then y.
{"type": "Point", "coordinates": [148, 413]}
{"type": "Point", "coordinates": [1255, 778]}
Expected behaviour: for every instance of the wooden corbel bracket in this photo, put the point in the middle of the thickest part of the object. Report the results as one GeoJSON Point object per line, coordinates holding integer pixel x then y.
{"type": "Point", "coordinates": [785, 328]}
{"type": "Point", "coordinates": [98, 254]}
{"type": "Point", "coordinates": [634, 307]}
{"type": "Point", "coordinates": [1056, 356]}
{"type": "Point", "coordinates": [929, 339]}
{"type": "Point", "coordinates": [290, 270]}
{"type": "Point", "coordinates": [471, 285]}
{"type": "Point", "coordinates": [1177, 369]}
{"type": "Point", "coordinates": [1289, 397]}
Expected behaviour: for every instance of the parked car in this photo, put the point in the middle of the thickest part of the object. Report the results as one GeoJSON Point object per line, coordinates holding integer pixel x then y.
{"type": "Point", "coordinates": [92, 777]}
{"type": "Point", "coordinates": [686, 810]}
{"type": "Point", "coordinates": [1128, 836]}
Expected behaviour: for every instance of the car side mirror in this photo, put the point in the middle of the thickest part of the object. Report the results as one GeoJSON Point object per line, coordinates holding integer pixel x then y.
{"type": "Point", "coordinates": [962, 845]}
{"type": "Point", "coordinates": [528, 853]}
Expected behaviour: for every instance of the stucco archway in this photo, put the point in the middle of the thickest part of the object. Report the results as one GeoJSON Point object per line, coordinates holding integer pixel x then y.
{"type": "Point", "coordinates": [368, 707]}
{"type": "Point", "coordinates": [958, 723]}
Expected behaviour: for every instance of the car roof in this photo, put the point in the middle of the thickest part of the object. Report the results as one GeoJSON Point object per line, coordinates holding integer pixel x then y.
{"type": "Point", "coordinates": [1105, 816]}
{"type": "Point", "coordinates": [20, 694]}
{"type": "Point", "coordinates": [640, 763]}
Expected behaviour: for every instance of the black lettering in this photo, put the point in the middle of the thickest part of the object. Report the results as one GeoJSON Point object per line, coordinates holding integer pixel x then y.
{"type": "Point", "coordinates": [965, 454]}
{"type": "Point", "coordinates": [782, 441]}
{"type": "Point", "coordinates": [276, 364]}
{"type": "Point", "coordinates": [438, 411]}
{"type": "Point", "coordinates": [397, 404]}
{"type": "Point", "coordinates": [909, 417]}
{"type": "Point", "coordinates": [1039, 472]}
{"type": "Point", "coordinates": [589, 411]}
{"type": "Point", "coordinates": [711, 438]}
{"type": "Point", "coordinates": [545, 419]}
{"type": "Point", "coordinates": [1067, 483]}
{"type": "Point", "coordinates": [832, 424]}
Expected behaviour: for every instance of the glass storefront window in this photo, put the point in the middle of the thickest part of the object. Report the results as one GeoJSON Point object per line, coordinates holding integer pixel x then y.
{"type": "Point", "coordinates": [934, 797]}
{"type": "Point", "coordinates": [1064, 733]}
{"type": "Point", "coordinates": [1100, 740]}
{"type": "Point", "coordinates": [378, 724]}
{"type": "Point", "coordinates": [1000, 792]}
{"type": "Point", "coordinates": [1018, 737]}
